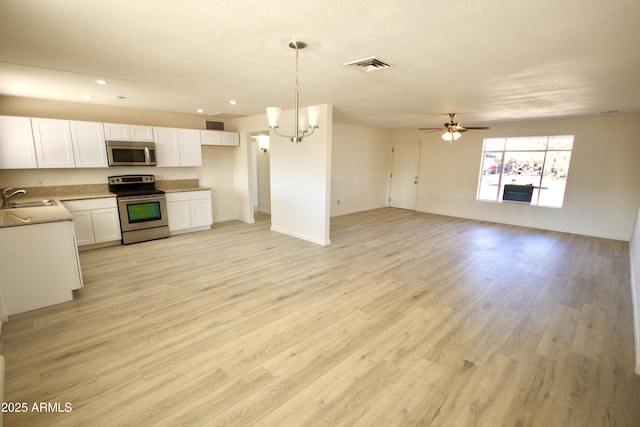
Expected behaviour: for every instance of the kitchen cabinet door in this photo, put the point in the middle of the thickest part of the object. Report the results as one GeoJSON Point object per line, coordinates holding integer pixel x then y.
{"type": "Point", "coordinates": [117, 132]}
{"type": "Point", "coordinates": [122, 132]}
{"type": "Point", "coordinates": [54, 146]}
{"type": "Point", "coordinates": [218, 137]}
{"type": "Point", "coordinates": [17, 150]}
{"type": "Point", "coordinates": [167, 149]}
{"type": "Point", "coordinates": [106, 225]}
{"type": "Point", "coordinates": [230, 138]}
{"type": "Point", "coordinates": [141, 133]}
{"type": "Point", "coordinates": [210, 137]}
{"type": "Point", "coordinates": [89, 147]}
{"type": "Point", "coordinates": [201, 212]}
{"type": "Point", "coordinates": [83, 225]}
{"type": "Point", "coordinates": [95, 220]}
{"type": "Point", "coordinates": [190, 148]}
{"type": "Point", "coordinates": [189, 211]}
{"type": "Point", "coordinates": [179, 215]}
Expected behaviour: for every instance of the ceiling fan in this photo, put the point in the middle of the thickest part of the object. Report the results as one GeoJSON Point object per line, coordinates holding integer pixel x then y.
{"type": "Point", "coordinates": [453, 130]}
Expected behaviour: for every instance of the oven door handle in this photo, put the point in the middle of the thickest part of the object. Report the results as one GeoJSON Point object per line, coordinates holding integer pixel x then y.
{"type": "Point", "coordinates": [142, 198]}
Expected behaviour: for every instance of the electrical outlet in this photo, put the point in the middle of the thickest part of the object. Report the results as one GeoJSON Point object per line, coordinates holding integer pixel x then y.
{"type": "Point", "coordinates": [40, 182]}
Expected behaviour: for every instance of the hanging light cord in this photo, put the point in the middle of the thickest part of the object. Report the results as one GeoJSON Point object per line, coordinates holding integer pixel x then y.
{"type": "Point", "coordinates": [274, 112]}
{"type": "Point", "coordinates": [297, 118]}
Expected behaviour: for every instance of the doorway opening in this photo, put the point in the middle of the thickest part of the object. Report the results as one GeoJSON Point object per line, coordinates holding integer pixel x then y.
{"type": "Point", "coordinates": [261, 165]}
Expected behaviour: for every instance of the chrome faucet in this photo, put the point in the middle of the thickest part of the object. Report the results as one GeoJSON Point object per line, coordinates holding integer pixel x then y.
{"type": "Point", "coordinates": [6, 196]}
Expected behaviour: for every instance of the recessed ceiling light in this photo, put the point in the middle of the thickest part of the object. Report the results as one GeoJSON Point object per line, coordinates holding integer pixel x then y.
{"type": "Point", "coordinates": [118, 97]}
{"type": "Point", "coordinates": [200, 110]}
{"type": "Point", "coordinates": [102, 82]}
{"type": "Point", "coordinates": [233, 102]}
{"type": "Point", "coordinates": [88, 97]}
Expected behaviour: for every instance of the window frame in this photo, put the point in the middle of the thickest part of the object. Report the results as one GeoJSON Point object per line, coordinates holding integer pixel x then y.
{"type": "Point", "coordinates": [507, 145]}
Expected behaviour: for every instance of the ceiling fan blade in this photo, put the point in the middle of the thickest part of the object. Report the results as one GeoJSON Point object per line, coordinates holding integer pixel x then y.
{"type": "Point", "coordinates": [476, 128]}
{"type": "Point", "coordinates": [433, 129]}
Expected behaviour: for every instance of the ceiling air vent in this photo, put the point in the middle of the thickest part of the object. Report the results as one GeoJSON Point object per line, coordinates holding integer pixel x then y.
{"type": "Point", "coordinates": [368, 64]}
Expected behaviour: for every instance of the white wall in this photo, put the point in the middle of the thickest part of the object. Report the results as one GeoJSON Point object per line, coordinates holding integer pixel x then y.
{"type": "Point", "coordinates": [300, 176]}
{"type": "Point", "coordinates": [301, 180]}
{"type": "Point", "coordinates": [601, 197]}
{"type": "Point", "coordinates": [217, 172]}
{"type": "Point", "coordinates": [634, 249]}
{"type": "Point", "coordinates": [360, 168]}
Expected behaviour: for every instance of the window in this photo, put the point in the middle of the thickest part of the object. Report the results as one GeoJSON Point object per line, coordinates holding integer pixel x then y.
{"type": "Point", "coordinates": [539, 161]}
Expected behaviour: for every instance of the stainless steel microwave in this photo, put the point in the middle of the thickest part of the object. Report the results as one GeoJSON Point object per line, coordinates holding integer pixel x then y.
{"type": "Point", "coordinates": [127, 153]}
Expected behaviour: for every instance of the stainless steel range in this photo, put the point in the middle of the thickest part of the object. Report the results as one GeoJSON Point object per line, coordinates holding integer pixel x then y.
{"type": "Point", "coordinates": [142, 208]}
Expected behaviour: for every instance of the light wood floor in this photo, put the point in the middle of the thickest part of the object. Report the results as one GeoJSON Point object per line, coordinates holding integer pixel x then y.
{"type": "Point", "coordinates": [406, 319]}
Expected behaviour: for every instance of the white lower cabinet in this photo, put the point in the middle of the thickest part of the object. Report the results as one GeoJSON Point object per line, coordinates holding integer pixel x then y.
{"type": "Point", "coordinates": [189, 211]}
{"type": "Point", "coordinates": [179, 214]}
{"type": "Point", "coordinates": [40, 267]}
{"type": "Point", "coordinates": [95, 220]}
{"type": "Point", "coordinates": [201, 211]}
{"type": "Point", "coordinates": [84, 227]}
{"type": "Point", "coordinates": [106, 225]}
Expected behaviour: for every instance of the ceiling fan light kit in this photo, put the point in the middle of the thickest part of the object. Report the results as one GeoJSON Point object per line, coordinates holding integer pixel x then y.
{"type": "Point", "coordinates": [453, 130]}
{"type": "Point", "coordinates": [451, 136]}
{"type": "Point", "coordinates": [305, 124]}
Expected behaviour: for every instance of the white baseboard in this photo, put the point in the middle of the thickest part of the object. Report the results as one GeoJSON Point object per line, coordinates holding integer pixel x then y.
{"type": "Point", "coordinates": [190, 230]}
{"type": "Point", "coordinates": [356, 210]}
{"type": "Point", "coordinates": [300, 236]}
{"type": "Point", "coordinates": [224, 219]}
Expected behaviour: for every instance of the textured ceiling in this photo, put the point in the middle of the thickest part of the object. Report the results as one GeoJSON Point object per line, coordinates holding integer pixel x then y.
{"type": "Point", "coordinates": [489, 61]}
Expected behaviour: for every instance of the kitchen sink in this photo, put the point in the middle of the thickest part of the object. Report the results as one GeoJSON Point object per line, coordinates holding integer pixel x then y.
{"type": "Point", "coordinates": [31, 204]}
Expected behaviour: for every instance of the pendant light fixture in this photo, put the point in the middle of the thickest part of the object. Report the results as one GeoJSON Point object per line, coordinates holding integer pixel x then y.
{"type": "Point", "coordinates": [305, 124]}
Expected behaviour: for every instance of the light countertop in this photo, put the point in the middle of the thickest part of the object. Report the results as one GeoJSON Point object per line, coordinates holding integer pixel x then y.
{"type": "Point", "coordinates": [62, 193]}
{"type": "Point", "coordinates": [34, 215]}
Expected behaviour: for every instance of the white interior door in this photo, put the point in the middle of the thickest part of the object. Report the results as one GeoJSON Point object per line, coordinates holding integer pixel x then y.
{"type": "Point", "coordinates": [404, 175]}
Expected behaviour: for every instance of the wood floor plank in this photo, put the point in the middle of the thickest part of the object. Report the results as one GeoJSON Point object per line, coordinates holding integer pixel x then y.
{"type": "Point", "coordinates": [406, 319]}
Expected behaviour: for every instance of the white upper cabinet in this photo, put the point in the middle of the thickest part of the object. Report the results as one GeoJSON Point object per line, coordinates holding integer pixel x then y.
{"type": "Point", "coordinates": [190, 147]}
{"type": "Point", "coordinates": [69, 144]}
{"type": "Point", "coordinates": [17, 150]}
{"type": "Point", "coordinates": [89, 147]}
{"type": "Point", "coordinates": [218, 137]}
{"type": "Point", "coordinates": [54, 147]}
{"type": "Point", "coordinates": [117, 132]}
{"type": "Point", "coordinates": [177, 147]}
{"type": "Point", "coordinates": [122, 132]}
{"type": "Point", "coordinates": [141, 133]}
{"type": "Point", "coordinates": [167, 150]}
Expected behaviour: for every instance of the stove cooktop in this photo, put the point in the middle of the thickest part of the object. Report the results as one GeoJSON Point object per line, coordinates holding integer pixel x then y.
{"type": "Point", "coordinates": [133, 185]}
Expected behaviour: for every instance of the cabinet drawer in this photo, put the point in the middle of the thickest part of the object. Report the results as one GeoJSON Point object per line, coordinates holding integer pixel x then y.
{"type": "Point", "coordinates": [89, 204]}
{"type": "Point", "coordinates": [188, 195]}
